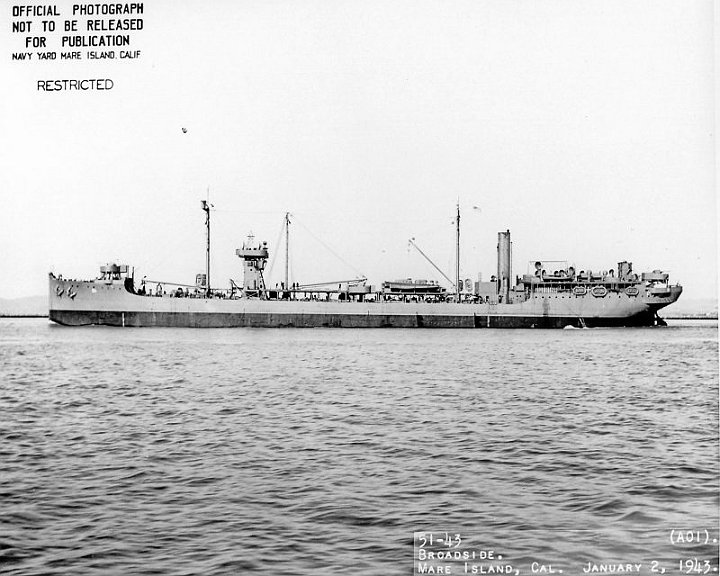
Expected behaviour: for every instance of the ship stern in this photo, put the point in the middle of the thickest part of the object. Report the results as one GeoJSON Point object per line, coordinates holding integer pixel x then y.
{"type": "Point", "coordinates": [660, 299]}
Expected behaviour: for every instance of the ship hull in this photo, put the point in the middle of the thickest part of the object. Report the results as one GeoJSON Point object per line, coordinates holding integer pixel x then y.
{"type": "Point", "coordinates": [80, 303]}
{"type": "Point", "coordinates": [339, 320]}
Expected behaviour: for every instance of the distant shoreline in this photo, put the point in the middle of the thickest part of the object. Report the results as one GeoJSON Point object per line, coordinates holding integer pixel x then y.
{"type": "Point", "coordinates": [690, 317]}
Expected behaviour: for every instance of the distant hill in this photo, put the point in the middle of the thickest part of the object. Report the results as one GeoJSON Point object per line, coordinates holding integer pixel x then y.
{"type": "Point", "coordinates": [29, 306]}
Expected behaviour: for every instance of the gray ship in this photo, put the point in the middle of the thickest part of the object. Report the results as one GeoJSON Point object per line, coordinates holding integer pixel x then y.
{"type": "Point", "coordinates": [546, 298]}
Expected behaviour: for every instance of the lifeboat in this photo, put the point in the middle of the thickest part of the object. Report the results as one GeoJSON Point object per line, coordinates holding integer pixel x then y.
{"type": "Point", "coordinates": [599, 291]}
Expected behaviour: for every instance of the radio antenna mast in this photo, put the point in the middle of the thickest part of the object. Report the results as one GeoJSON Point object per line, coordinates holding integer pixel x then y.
{"type": "Point", "coordinates": [457, 255]}
{"type": "Point", "coordinates": [287, 250]}
{"type": "Point", "coordinates": [206, 207]}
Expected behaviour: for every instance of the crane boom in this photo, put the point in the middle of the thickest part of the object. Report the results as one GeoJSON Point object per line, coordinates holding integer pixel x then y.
{"type": "Point", "coordinates": [353, 281]}
{"type": "Point", "coordinates": [412, 243]}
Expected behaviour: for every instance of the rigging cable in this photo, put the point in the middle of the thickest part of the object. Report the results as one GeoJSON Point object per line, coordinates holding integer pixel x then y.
{"type": "Point", "coordinates": [359, 274]}
{"type": "Point", "coordinates": [276, 250]}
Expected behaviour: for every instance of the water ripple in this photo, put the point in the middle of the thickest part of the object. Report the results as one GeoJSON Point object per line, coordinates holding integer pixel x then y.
{"type": "Point", "coordinates": [160, 451]}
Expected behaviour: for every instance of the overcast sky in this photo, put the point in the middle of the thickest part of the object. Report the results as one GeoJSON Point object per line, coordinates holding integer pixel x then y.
{"type": "Point", "coordinates": [584, 127]}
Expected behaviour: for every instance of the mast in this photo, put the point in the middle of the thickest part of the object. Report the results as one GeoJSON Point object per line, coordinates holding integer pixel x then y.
{"type": "Point", "coordinates": [287, 250]}
{"type": "Point", "coordinates": [457, 255]}
{"type": "Point", "coordinates": [206, 208]}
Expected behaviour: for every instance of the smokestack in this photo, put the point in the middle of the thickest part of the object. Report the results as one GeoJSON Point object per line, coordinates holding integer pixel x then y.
{"type": "Point", "coordinates": [504, 270]}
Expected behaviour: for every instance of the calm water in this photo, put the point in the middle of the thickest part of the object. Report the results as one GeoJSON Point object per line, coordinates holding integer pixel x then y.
{"type": "Point", "coordinates": [164, 451]}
